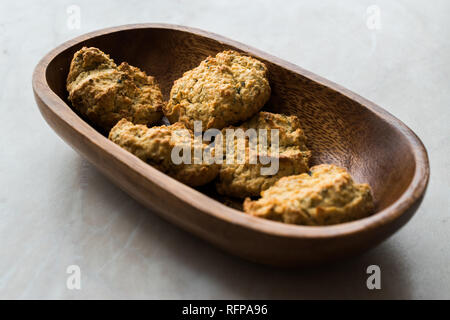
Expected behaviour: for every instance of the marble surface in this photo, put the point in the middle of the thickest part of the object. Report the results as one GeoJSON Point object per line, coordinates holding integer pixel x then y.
{"type": "Point", "coordinates": [56, 210]}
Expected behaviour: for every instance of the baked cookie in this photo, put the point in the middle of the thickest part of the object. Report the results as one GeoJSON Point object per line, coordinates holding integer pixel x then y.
{"type": "Point", "coordinates": [245, 180]}
{"type": "Point", "coordinates": [154, 146]}
{"type": "Point", "coordinates": [221, 91]}
{"type": "Point", "coordinates": [105, 93]}
{"type": "Point", "coordinates": [327, 196]}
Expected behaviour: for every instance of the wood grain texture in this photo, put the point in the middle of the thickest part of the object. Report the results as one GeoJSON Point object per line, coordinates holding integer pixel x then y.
{"type": "Point", "coordinates": [342, 128]}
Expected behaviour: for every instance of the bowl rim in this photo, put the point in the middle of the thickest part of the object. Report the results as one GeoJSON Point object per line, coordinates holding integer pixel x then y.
{"type": "Point", "coordinates": [414, 192]}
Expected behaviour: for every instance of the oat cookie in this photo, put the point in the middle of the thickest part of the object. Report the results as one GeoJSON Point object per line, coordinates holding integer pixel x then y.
{"type": "Point", "coordinates": [221, 91]}
{"type": "Point", "coordinates": [154, 146]}
{"type": "Point", "coordinates": [244, 180]}
{"type": "Point", "coordinates": [327, 196]}
{"type": "Point", "coordinates": [105, 93]}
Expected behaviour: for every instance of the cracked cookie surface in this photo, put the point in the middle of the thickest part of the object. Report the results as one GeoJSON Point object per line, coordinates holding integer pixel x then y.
{"type": "Point", "coordinates": [154, 146]}
{"type": "Point", "coordinates": [221, 91]}
{"type": "Point", "coordinates": [246, 179]}
{"type": "Point", "coordinates": [327, 196]}
{"type": "Point", "coordinates": [104, 93]}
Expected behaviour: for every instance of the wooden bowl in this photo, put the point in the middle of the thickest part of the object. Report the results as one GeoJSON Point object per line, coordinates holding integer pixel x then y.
{"type": "Point", "coordinates": [342, 128]}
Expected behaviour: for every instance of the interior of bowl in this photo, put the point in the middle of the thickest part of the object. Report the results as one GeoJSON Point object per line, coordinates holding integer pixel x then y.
{"type": "Point", "coordinates": [339, 130]}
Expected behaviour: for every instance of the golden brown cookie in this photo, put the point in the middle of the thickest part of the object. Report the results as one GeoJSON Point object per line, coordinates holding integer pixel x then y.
{"type": "Point", "coordinates": [327, 196]}
{"type": "Point", "coordinates": [154, 146]}
{"type": "Point", "coordinates": [221, 91]}
{"type": "Point", "coordinates": [105, 93]}
{"type": "Point", "coordinates": [244, 180]}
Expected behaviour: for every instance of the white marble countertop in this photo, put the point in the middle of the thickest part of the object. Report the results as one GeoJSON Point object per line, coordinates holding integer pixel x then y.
{"type": "Point", "coordinates": [56, 210]}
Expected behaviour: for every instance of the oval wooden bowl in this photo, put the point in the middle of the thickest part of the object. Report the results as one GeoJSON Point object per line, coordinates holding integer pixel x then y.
{"type": "Point", "coordinates": [342, 128]}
